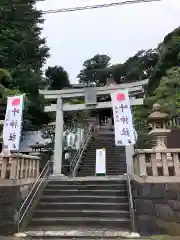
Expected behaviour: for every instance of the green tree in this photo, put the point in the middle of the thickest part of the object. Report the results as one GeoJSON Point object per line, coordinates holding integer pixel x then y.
{"type": "Point", "coordinates": [95, 70]}
{"type": "Point", "coordinates": [168, 57]}
{"type": "Point", "coordinates": [167, 93]}
{"type": "Point", "coordinates": [5, 77]}
{"type": "Point", "coordinates": [56, 78]}
{"type": "Point", "coordinates": [136, 68]}
{"type": "Point", "coordinates": [5, 82]}
{"type": "Point", "coordinates": [23, 52]}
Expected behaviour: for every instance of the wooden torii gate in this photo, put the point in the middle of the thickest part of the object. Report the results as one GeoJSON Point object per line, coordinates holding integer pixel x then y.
{"type": "Point", "coordinates": [90, 95]}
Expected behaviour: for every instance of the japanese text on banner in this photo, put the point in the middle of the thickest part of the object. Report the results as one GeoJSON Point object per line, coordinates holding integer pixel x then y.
{"type": "Point", "coordinates": [12, 123]}
{"type": "Point", "coordinates": [123, 124]}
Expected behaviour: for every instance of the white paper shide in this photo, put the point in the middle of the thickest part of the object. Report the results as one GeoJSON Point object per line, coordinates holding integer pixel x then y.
{"type": "Point", "coordinates": [12, 123]}
{"type": "Point", "coordinates": [123, 124]}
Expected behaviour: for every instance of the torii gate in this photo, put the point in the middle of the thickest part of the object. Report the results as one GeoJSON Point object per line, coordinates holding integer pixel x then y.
{"type": "Point", "coordinates": [90, 95]}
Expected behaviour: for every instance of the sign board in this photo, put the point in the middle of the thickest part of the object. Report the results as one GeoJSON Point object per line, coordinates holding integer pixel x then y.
{"type": "Point", "coordinates": [101, 161]}
{"type": "Point", "coordinates": [123, 123]}
{"type": "Point", "coordinates": [12, 123]}
{"type": "Point", "coordinates": [90, 96]}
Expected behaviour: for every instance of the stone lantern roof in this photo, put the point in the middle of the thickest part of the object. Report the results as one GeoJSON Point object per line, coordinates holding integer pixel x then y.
{"type": "Point", "coordinates": [156, 114]}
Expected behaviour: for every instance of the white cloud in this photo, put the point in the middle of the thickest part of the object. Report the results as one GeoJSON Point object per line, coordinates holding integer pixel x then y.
{"type": "Point", "coordinates": [118, 31]}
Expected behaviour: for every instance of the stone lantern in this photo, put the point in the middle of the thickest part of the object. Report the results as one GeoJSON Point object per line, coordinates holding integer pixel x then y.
{"type": "Point", "coordinates": [159, 130]}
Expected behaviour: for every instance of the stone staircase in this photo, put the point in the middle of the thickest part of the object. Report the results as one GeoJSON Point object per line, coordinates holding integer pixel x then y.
{"type": "Point", "coordinates": [86, 206]}
{"type": "Point", "coordinates": [80, 203]}
{"type": "Point", "coordinates": [115, 156]}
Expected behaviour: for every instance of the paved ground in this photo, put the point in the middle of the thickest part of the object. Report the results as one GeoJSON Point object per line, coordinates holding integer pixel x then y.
{"type": "Point", "coordinates": [142, 238]}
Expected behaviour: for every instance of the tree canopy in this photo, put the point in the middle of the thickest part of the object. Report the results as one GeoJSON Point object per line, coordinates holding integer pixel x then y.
{"type": "Point", "coordinates": [168, 57]}
{"type": "Point", "coordinates": [23, 53]}
{"type": "Point", "coordinates": [97, 69]}
{"type": "Point", "coordinates": [94, 70]}
{"type": "Point", "coordinates": [56, 78]}
{"type": "Point", "coordinates": [137, 67]}
{"type": "Point", "coordinates": [168, 92]}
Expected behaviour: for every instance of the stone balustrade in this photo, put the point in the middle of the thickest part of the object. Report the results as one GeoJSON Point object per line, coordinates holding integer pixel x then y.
{"type": "Point", "coordinates": [159, 163]}
{"type": "Point", "coordinates": [18, 166]}
{"type": "Point", "coordinates": [154, 162]}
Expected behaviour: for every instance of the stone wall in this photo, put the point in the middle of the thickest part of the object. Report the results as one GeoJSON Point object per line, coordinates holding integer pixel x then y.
{"type": "Point", "coordinates": [157, 208]}
{"type": "Point", "coordinates": [11, 198]}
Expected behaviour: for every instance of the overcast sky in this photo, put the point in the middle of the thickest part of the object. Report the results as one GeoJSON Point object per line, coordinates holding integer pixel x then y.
{"type": "Point", "coordinates": [119, 32]}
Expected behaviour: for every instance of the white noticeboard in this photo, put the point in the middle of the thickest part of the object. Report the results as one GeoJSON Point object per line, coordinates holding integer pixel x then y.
{"type": "Point", "coordinates": [101, 161]}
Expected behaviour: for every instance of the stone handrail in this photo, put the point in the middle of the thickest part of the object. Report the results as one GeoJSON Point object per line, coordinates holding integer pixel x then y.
{"type": "Point", "coordinates": [18, 166]}
{"type": "Point", "coordinates": [157, 162]}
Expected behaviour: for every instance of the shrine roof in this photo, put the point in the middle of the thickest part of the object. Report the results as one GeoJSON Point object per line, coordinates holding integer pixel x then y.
{"type": "Point", "coordinates": [29, 139]}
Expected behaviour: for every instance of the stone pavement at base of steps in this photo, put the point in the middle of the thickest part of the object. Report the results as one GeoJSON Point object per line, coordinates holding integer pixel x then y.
{"type": "Point", "coordinates": [141, 238]}
{"type": "Point", "coordinates": [73, 238]}
{"type": "Point", "coordinates": [84, 235]}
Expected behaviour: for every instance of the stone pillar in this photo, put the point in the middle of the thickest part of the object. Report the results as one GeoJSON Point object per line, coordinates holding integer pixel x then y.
{"type": "Point", "coordinates": [129, 150]}
{"type": "Point", "coordinates": [22, 168]}
{"type": "Point", "coordinates": [58, 145]}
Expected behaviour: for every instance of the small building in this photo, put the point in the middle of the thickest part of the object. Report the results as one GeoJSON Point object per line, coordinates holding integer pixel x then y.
{"type": "Point", "coordinates": [31, 142]}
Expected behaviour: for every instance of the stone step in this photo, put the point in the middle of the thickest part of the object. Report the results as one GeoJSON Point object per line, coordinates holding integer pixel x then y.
{"type": "Point", "coordinates": [83, 198]}
{"type": "Point", "coordinates": [108, 171]}
{"type": "Point", "coordinates": [92, 165]}
{"type": "Point", "coordinates": [108, 146]}
{"type": "Point", "coordinates": [82, 233]}
{"type": "Point", "coordinates": [83, 213]}
{"type": "Point", "coordinates": [109, 149]}
{"type": "Point", "coordinates": [83, 205]}
{"type": "Point", "coordinates": [83, 238]}
{"type": "Point", "coordinates": [123, 223]}
{"type": "Point", "coordinates": [90, 162]}
{"type": "Point", "coordinates": [85, 192]}
{"type": "Point", "coordinates": [108, 166]}
{"type": "Point", "coordinates": [92, 173]}
{"type": "Point", "coordinates": [87, 187]}
{"type": "Point", "coordinates": [113, 159]}
{"type": "Point", "coordinates": [112, 152]}
{"type": "Point", "coordinates": [110, 156]}
{"type": "Point", "coordinates": [89, 181]}
{"type": "Point", "coordinates": [85, 174]}
{"type": "Point", "coordinates": [105, 144]}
